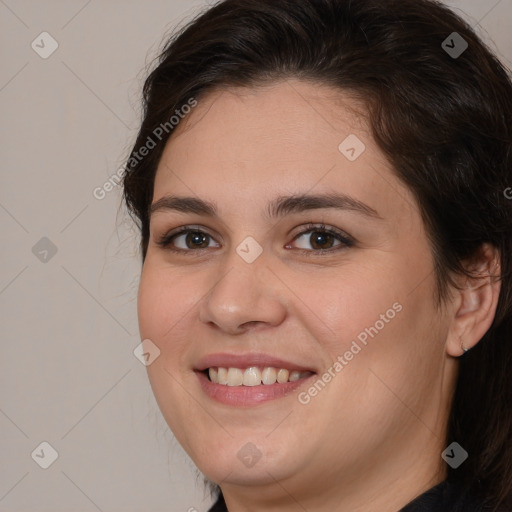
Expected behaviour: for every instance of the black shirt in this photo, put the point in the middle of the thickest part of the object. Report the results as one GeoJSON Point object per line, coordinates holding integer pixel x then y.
{"type": "Point", "coordinates": [444, 497]}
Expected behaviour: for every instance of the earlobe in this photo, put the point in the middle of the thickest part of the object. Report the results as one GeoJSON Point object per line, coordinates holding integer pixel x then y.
{"type": "Point", "coordinates": [476, 303]}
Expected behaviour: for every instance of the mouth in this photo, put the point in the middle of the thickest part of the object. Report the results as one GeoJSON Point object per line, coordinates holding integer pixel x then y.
{"type": "Point", "coordinates": [244, 380]}
{"type": "Point", "coordinates": [253, 376]}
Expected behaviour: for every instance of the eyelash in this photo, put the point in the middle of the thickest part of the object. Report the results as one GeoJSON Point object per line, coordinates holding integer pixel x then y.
{"type": "Point", "coordinates": [346, 241]}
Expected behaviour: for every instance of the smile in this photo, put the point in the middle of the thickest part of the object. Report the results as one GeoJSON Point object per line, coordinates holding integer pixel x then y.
{"type": "Point", "coordinates": [254, 376]}
{"type": "Point", "coordinates": [249, 379]}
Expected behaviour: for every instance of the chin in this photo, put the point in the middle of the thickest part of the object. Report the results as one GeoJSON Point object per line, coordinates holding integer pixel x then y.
{"type": "Point", "coordinates": [238, 461]}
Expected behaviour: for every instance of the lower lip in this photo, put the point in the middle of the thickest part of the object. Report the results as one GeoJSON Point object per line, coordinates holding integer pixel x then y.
{"type": "Point", "coordinates": [241, 396]}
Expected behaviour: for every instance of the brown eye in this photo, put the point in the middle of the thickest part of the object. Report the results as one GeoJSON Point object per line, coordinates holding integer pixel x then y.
{"type": "Point", "coordinates": [186, 240]}
{"type": "Point", "coordinates": [196, 240]}
{"type": "Point", "coordinates": [318, 239]}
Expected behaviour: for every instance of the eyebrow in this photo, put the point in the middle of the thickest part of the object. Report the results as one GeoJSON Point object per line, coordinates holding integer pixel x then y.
{"type": "Point", "coordinates": [279, 207]}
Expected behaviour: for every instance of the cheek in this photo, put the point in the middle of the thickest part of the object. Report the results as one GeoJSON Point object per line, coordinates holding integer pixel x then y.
{"type": "Point", "coordinates": [377, 318]}
{"type": "Point", "coordinates": [151, 305]}
{"type": "Point", "coordinates": [349, 307]}
{"type": "Point", "coordinates": [162, 302]}
{"type": "Point", "coordinates": [162, 307]}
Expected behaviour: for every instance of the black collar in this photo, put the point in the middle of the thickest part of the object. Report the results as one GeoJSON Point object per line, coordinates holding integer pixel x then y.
{"type": "Point", "coordinates": [444, 497]}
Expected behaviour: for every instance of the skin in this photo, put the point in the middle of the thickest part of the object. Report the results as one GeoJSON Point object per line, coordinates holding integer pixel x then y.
{"type": "Point", "coordinates": [371, 439]}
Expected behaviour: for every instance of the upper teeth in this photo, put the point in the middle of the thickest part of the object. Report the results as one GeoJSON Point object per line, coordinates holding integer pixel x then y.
{"type": "Point", "coordinates": [254, 376]}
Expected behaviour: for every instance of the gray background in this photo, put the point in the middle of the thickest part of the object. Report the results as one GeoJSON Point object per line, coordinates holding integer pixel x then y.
{"type": "Point", "coordinates": [68, 375]}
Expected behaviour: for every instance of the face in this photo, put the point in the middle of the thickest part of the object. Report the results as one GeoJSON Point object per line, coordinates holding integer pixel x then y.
{"type": "Point", "coordinates": [330, 294]}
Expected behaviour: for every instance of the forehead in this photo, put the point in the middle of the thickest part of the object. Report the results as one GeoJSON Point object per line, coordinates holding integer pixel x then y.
{"type": "Point", "coordinates": [270, 122]}
{"type": "Point", "coordinates": [288, 137]}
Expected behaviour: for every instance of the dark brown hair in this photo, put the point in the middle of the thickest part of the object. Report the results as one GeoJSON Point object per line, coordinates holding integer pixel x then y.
{"type": "Point", "coordinates": [443, 121]}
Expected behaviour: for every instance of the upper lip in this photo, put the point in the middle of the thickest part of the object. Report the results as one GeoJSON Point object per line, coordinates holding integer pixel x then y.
{"type": "Point", "coordinates": [246, 361]}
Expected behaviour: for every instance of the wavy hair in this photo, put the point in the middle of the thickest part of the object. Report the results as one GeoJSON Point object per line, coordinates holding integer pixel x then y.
{"type": "Point", "coordinates": [443, 121]}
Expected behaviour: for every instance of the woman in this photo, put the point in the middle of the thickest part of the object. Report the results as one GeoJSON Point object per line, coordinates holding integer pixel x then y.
{"type": "Point", "coordinates": [321, 188]}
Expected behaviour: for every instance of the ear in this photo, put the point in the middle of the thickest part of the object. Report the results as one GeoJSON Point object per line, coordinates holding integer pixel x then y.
{"type": "Point", "coordinates": [475, 303]}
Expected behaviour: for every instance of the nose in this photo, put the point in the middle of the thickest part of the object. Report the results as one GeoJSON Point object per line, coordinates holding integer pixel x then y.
{"type": "Point", "coordinates": [247, 294]}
